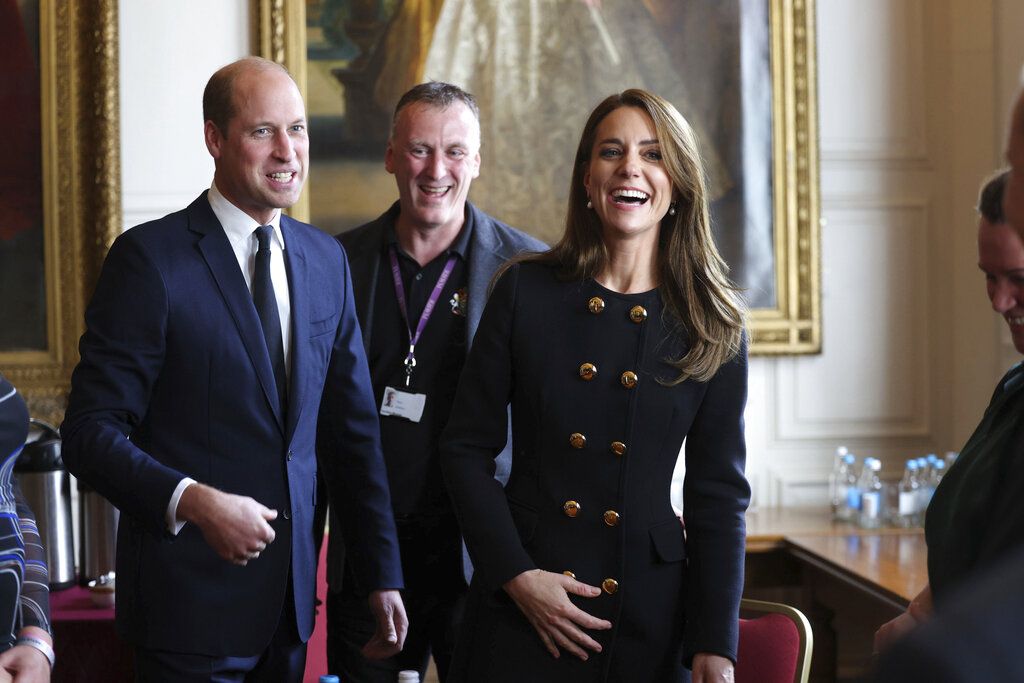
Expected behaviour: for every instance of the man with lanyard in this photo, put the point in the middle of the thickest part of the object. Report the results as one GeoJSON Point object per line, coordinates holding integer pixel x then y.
{"type": "Point", "coordinates": [420, 274]}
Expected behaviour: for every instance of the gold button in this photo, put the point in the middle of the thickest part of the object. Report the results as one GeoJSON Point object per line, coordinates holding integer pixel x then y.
{"type": "Point", "coordinates": [577, 440]}
{"type": "Point", "coordinates": [618, 448]}
{"type": "Point", "coordinates": [595, 305]}
{"type": "Point", "coordinates": [571, 508]}
{"type": "Point", "coordinates": [588, 371]}
{"type": "Point", "coordinates": [569, 574]}
{"type": "Point", "coordinates": [611, 517]}
{"type": "Point", "coordinates": [610, 586]}
{"type": "Point", "coordinates": [638, 314]}
{"type": "Point", "coordinates": [629, 379]}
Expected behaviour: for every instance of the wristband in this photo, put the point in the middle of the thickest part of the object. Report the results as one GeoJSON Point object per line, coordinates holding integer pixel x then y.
{"type": "Point", "coordinates": [40, 645]}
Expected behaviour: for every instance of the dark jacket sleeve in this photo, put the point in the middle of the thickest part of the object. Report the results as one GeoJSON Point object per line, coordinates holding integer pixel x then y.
{"type": "Point", "coordinates": [715, 498]}
{"type": "Point", "coordinates": [351, 458]}
{"type": "Point", "coordinates": [122, 353]}
{"type": "Point", "coordinates": [476, 434]}
{"type": "Point", "coordinates": [1004, 530]}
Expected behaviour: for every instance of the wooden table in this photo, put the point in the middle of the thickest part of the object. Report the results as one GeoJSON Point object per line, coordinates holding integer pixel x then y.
{"type": "Point", "coordinates": [847, 580]}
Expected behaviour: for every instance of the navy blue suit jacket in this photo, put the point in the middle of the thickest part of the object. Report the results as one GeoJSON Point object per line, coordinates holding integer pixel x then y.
{"type": "Point", "coordinates": [175, 380]}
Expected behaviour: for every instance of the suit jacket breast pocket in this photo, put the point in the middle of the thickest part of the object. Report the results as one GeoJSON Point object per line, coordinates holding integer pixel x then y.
{"type": "Point", "coordinates": [321, 326]}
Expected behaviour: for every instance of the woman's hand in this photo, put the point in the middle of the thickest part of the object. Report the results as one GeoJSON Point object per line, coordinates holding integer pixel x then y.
{"type": "Point", "coordinates": [543, 598]}
{"type": "Point", "coordinates": [892, 630]}
{"type": "Point", "coordinates": [709, 668]}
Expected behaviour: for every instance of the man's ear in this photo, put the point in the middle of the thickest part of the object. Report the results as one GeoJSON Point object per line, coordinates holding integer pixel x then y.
{"type": "Point", "coordinates": [214, 139]}
{"type": "Point", "coordinates": [389, 159]}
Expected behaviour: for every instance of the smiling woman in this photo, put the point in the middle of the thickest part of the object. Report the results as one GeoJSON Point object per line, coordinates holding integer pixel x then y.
{"type": "Point", "coordinates": [616, 346]}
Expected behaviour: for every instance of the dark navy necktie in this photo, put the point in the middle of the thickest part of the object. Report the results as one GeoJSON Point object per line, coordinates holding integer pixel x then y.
{"type": "Point", "coordinates": [266, 307]}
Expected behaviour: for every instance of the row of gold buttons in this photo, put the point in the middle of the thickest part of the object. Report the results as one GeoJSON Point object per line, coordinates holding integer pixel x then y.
{"type": "Point", "coordinates": [577, 440]}
{"type": "Point", "coordinates": [629, 379]}
{"type": "Point", "coordinates": [571, 508]}
{"type": "Point", "coordinates": [588, 371]}
{"type": "Point", "coordinates": [637, 314]}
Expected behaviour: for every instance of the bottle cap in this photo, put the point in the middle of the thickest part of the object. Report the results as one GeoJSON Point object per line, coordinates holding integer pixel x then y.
{"type": "Point", "coordinates": [330, 678]}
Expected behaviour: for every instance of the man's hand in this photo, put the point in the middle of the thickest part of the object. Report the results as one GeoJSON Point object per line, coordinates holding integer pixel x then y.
{"type": "Point", "coordinates": [24, 664]}
{"type": "Point", "coordinates": [892, 630]}
{"type": "Point", "coordinates": [236, 527]}
{"type": "Point", "coordinates": [392, 625]}
{"type": "Point", "coordinates": [709, 668]}
{"type": "Point", "coordinates": [543, 598]}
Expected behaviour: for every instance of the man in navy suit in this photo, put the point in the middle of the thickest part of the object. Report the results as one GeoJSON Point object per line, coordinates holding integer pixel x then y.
{"type": "Point", "coordinates": [215, 338]}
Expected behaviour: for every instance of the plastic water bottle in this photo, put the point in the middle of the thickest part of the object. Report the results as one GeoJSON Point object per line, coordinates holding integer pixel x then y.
{"type": "Point", "coordinates": [845, 480]}
{"type": "Point", "coordinates": [909, 514]}
{"type": "Point", "coordinates": [928, 480]}
{"type": "Point", "coordinates": [836, 481]}
{"type": "Point", "coordinates": [922, 478]}
{"type": "Point", "coordinates": [870, 494]}
{"type": "Point", "coordinates": [850, 508]}
{"type": "Point", "coordinates": [408, 677]}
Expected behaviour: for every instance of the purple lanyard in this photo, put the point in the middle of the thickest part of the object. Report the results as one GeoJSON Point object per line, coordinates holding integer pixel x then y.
{"type": "Point", "coordinates": [410, 358]}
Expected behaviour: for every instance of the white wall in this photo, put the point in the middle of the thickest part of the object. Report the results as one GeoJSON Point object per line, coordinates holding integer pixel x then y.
{"type": "Point", "coordinates": [168, 51]}
{"type": "Point", "coordinates": [914, 101]}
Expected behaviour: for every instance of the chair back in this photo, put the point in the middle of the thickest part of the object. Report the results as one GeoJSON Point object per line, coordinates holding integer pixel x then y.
{"type": "Point", "coordinates": [775, 646]}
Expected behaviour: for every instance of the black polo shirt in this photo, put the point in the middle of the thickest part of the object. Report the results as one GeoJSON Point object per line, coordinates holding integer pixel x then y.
{"type": "Point", "coordinates": [410, 448]}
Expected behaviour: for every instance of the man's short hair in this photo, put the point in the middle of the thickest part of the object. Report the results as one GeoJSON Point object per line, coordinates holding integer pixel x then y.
{"type": "Point", "coordinates": [990, 201]}
{"type": "Point", "coordinates": [219, 95]}
{"type": "Point", "coordinates": [435, 94]}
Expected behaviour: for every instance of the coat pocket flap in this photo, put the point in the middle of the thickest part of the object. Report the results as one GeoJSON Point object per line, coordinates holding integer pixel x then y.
{"type": "Point", "coordinates": [668, 542]}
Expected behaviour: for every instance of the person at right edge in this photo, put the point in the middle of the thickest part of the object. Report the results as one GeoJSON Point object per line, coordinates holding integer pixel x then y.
{"type": "Point", "coordinates": [615, 346]}
{"type": "Point", "coordinates": [974, 518]}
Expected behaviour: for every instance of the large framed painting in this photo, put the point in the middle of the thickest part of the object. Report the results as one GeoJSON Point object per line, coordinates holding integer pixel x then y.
{"type": "Point", "coordinates": [59, 186]}
{"type": "Point", "coordinates": [741, 71]}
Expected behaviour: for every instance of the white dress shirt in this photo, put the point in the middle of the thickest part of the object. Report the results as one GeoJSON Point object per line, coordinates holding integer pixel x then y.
{"type": "Point", "coordinates": [240, 229]}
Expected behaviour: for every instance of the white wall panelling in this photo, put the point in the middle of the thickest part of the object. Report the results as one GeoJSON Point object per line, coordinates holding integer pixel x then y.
{"type": "Point", "coordinates": [168, 51]}
{"type": "Point", "coordinates": [876, 295]}
{"type": "Point", "coordinates": [871, 56]}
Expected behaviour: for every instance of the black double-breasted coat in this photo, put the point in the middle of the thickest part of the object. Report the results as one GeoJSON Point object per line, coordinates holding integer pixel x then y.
{"type": "Point", "coordinates": [596, 434]}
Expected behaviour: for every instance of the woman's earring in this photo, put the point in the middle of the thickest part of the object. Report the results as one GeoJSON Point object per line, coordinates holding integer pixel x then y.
{"type": "Point", "coordinates": [590, 204]}
{"type": "Point", "coordinates": [672, 209]}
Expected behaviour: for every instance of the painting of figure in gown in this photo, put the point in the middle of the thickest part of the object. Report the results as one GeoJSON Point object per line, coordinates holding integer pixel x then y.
{"type": "Point", "coordinates": [537, 68]}
{"type": "Point", "coordinates": [22, 271]}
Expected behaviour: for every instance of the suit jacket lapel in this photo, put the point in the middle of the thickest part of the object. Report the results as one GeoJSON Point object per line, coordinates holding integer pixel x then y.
{"type": "Point", "coordinates": [298, 292]}
{"type": "Point", "coordinates": [220, 258]}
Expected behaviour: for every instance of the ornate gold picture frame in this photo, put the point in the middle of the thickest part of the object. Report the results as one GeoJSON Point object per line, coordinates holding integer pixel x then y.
{"type": "Point", "coordinates": [78, 188]}
{"type": "Point", "coordinates": [785, 296]}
